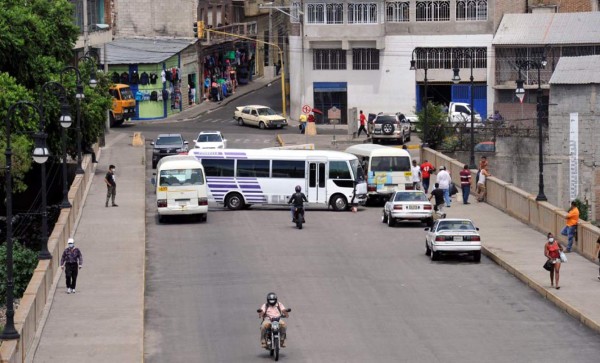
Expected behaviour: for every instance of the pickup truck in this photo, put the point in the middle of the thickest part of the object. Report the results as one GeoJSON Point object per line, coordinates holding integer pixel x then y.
{"type": "Point", "coordinates": [460, 112]}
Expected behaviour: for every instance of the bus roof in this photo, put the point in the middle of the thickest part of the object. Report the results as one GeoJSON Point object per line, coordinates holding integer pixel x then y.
{"type": "Point", "coordinates": [178, 161]}
{"type": "Point", "coordinates": [369, 150]}
{"type": "Point", "coordinates": [268, 154]}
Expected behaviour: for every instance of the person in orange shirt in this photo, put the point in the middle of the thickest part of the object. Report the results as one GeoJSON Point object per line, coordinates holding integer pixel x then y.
{"type": "Point", "coordinates": [571, 227]}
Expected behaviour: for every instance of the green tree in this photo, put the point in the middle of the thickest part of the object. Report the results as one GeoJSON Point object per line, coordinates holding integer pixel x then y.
{"type": "Point", "coordinates": [25, 261]}
{"type": "Point", "coordinates": [436, 122]}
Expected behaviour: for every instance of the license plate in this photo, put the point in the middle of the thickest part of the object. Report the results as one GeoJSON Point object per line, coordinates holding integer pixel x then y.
{"type": "Point", "coordinates": [377, 132]}
{"type": "Point", "coordinates": [412, 207]}
{"type": "Point", "coordinates": [457, 239]}
{"type": "Point", "coordinates": [182, 204]}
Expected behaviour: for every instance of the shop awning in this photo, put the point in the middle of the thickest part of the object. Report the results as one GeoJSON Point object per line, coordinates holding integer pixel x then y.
{"type": "Point", "coordinates": [144, 50]}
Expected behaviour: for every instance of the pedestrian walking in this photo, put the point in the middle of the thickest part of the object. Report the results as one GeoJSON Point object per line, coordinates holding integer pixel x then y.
{"type": "Point", "coordinates": [465, 183]}
{"type": "Point", "coordinates": [481, 188]}
{"type": "Point", "coordinates": [71, 261]}
{"type": "Point", "coordinates": [302, 125]}
{"type": "Point", "coordinates": [426, 169]}
{"type": "Point", "coordinates": [363, 120]}
{"type": "Point", "coordinates": [552, 252]}
{"type": "Point", "coordinates": [111, 185]}
{"type": "Point", "coordinates": [444, 180]}
{"type": "Point", "coordinates": [416, 175]}
{"type": "Point", "coordinates": [598, 254]}
{"type": "Point", "coordinates": [571, 227]}
{"type": "Point", "coordinates": [438, 195]}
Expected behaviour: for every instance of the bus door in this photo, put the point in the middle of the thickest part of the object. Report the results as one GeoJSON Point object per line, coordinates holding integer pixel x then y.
{"type": "Point", "coordinates": [316, 192]}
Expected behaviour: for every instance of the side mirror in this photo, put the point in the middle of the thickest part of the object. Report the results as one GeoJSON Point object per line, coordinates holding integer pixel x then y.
{"type": "Point", "coordinates": [477, 228]}
{"type": "Point", "coordinates": [427, 229]}
{"type": "Point", "coordinates": [152, 143]}
{"type": "Point", "coordinates": [153, 181]}
{"type": "Point", "coordinates": [259, 310]}
{"type": "Point", "coordinates": [185, 142]}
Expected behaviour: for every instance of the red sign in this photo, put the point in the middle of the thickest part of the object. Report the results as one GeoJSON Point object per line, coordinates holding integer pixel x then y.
{"type": "Point", "coordinates": [306, 109]}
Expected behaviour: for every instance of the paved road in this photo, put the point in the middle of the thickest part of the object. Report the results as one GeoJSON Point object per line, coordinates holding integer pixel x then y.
{"type": "Point", "coordinates": [360, 292]}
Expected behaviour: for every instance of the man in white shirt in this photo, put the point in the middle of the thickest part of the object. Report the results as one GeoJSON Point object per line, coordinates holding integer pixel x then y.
{"type": "Point", "coordinates": [416, 175]}
{"type": "Point", "coordinates": [444, 180]}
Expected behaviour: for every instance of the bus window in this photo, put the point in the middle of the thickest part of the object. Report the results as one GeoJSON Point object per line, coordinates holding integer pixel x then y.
{"type": "Point", "coordinates": [253, 168]}
{"type": "Point", "coordinates": [321, 175]}
{"type": "Point", "coordinates": [288, 169]}
{"type": "Point", "coordinates": [218, 167]}
{"type": "Point", "coordinates": [339, 170]}
{"type": "Point", "coordinates": [312, 175]}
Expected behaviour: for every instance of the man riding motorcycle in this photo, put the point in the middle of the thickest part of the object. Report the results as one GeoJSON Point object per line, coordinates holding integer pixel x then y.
{"type": "Point", "coordinates": [270, 310]}
{"type": "Point", "coordinates": [297, 200]}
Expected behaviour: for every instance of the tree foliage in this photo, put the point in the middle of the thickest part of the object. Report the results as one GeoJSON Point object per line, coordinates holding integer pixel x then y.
{"type": "Point", "coordinates": [25, 262]}
{"type": "Point", "coordinates": [436, 120]}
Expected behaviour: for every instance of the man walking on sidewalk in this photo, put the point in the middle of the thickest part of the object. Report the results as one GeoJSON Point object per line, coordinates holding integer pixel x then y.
{"type": "Point", "coordinates": [465, 183]}
{"type": "Point", "coordinates": [571, 227]}
{"type": "Point", "coordinates": [71, 261]}
{"type": "Point", "coordinates": [363, 120]}
{"type": "Point", "coordinates": [111, 185]}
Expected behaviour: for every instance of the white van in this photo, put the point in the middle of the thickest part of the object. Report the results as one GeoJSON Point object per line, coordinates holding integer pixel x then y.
{"type": "Point", "coordinates": [180, 187]}
{"type": "Point", "coordinates": [387, 168]}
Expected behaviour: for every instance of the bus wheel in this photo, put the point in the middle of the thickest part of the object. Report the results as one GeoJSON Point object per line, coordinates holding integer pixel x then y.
{"type": "Point", "coordinates": [339, 202]}
{"type": "Point", "coordinates": [234, 201]}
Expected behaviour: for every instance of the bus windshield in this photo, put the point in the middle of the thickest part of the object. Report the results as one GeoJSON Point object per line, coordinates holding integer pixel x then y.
{"type": "Point", "coordinates": [390, 163]}
{"type": "Point", "coordinates": [177, 177]}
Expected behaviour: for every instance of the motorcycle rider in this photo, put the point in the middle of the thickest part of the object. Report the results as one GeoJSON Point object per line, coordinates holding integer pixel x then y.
{"type": "Point", "coordinates": [297, 200]}
{"type": "Point", "coordinates": [269, 310]}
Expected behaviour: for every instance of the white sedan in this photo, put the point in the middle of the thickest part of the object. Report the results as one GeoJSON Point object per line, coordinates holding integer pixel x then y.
{"type": "Point", "coordinates": [454, 236]}
{"type": "Point", "coordinates": [210, 140]}
{"type": "Point", "coordinates": [261, 116]}
{"type": "Point", "coordinates": [408, 205]}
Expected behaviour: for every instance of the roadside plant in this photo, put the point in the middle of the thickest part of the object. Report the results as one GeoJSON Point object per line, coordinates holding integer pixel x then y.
{"type": "Point", "coordinates": [25, 262]}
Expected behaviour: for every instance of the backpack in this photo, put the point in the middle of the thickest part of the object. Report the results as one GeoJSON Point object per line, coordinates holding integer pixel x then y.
{"type": "Point", "coordinates": [153, 96]}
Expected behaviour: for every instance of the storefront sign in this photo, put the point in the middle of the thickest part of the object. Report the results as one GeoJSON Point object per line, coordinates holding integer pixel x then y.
{"type": "Point", "coordinates": [573, 155]}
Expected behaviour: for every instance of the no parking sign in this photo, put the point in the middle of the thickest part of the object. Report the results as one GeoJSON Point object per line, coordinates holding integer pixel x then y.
{"type": "Point", "coordinates": [306, 109]}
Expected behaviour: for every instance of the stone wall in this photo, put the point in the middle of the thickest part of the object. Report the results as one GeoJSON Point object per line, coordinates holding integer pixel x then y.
{"type": "Point", "coordinates": [150, 18]}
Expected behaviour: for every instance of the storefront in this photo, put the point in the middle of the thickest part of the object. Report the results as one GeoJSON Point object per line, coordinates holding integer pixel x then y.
{"type": "Point", "coordinates": [162, 74]}
{"type": "Point", "coordinates": [327, 95]}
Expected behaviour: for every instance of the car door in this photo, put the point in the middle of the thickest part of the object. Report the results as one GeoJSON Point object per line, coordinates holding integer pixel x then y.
{"type": "Point", "coordinates": [254, 119]}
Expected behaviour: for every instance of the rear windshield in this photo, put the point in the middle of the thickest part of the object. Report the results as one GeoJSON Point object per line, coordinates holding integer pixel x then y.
{"type": "Point", "coordinates": [384, 119]}
{"type": "Point", "coordinates": [390, 163]}
{"type": "Point", "coordinates": [176, 177]}
{"type": "Point", "coordinates": [410, 197]}
{"type": "Point", "coordinates": [453, 225]}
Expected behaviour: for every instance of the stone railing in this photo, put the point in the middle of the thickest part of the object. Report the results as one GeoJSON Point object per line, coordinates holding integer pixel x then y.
{"type": "Point", "coordinates": [542, 216]}
{"type": "Point", "coordinates": [31, 307]}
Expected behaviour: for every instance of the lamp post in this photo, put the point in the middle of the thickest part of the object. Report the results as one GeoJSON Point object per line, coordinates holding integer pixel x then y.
{"type": "Point", "coordinates": [414, 67]}
{"type": "Point", "coordinates": [520, 93]}
{"type": "Point", "coordinates": [65, 123]}
{"type": "Point", "coordinates": [467, 53]}
{"type": "Point", "coordinates": [9, 332]}
{"type": "Point", "coordinates": [79, 95]}
{"type": "Point", "coordinates": [40, 156]}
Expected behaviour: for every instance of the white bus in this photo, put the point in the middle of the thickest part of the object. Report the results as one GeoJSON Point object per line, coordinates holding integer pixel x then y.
{"type": "Point", "coordinates": [388, 169]}
{"type": "Point", "coordinates": [180, 187]}
{"type": "Point", "coordinates": [239, 178]}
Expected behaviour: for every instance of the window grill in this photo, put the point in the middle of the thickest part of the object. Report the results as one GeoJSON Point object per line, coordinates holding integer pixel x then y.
{"type": "Point", "coordinates": [448, 58]}
{"type": "Point", "coordinates": [315, 13]}
{"type": "Point", "coordinates": [433, 10]}
{"type": "Point", "coordinates": [365, 59]}
{"type": "Point", "coordinates": [471, 10]}
{"type": "Point", "coordinates": [397, 11]}
{"type": "Point", "coordinates": [362, 13]}
{"type": "Point", "coordinates": [332, 59]}
{"type": "Point", "coordinates": [335, 13]}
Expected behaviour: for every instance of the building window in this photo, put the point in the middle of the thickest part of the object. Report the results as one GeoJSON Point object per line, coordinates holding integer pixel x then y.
{"type": "Point", "coordinates": [445, 58]}
{"type": "Point", "coordinates": [335, 13]}
{"type": "Point", "coordinates": [295, 11]}
{"type": "Point", "coordinates": [433, 10]}
{"type": "Point", "coordinates": [365, 58]}
{"type": "Point", "coordinates": [315, 13]}
{"type": "Point", "coordinates": [397, 11]}
{"type": "Point", "coordinates": [362, 13]}
{"type": "Point", "coordinates": [329, 59]}
{"type": "Point", "coordinates": [471, 10]}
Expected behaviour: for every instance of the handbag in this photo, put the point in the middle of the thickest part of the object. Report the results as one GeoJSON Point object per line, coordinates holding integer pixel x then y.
{"type": "Point", "coordinates": [548, 266]}
{"type": "Point", "coordinates": [453, 189]}
{"type": "Point", "coordinates": [563, 257]}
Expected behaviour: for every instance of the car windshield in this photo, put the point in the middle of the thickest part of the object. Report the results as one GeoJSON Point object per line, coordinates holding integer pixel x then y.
{"type": "Point", "coordinates": [384, 119]}
{"type": "Point", "coordinates": [390, 163]}
{"type": "Point", "coordinates": [410, 197]}
{"type": "Point", "coordinates": [266, 111]}
{"type": "Point", "coordinates": [126, 94]}
{"type": "Point", "coordinates": [209, 138]}
{"type": "Point", "coordinates": [168, 140]}
{"type": "Point", "coordinates": [456, 225]}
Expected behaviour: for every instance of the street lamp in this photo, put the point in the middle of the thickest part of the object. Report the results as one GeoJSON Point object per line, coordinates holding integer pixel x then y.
{"type": "Point", "coordinates": [79, 96]}
{"type": "Point", "coordinates": [413, 67]}
{"type": "Point", "coordinates": [41, 154]}
{"type": "Point", "coordinates": [520, 93]}
{"type": "Point", "coordinates": [9, 332]}
{"type": "Point", "coordinates": [467, 53]}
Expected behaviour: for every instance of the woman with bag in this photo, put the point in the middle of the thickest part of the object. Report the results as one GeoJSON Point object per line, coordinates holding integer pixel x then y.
{"type": "Point", "coordinates": [552, 252]}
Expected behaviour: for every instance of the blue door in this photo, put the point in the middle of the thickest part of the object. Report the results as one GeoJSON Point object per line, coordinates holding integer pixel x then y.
{"type": "Point", "coordinates": [461, 93]}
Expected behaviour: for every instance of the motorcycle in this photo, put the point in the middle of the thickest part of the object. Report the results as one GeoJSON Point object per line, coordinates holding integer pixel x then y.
{"type": "Point", "coordinates": [273, 337]}
{"type": "Point", "coordinates": [299, 216]}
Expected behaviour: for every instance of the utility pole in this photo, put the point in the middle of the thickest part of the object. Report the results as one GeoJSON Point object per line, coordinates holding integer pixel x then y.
{"type": "Point", "coordinates": [270, 58]}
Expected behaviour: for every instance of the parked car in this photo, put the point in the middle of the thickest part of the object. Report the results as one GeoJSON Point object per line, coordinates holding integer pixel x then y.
{"type": "Point", "coordinates": [261, 116]}
{"type": "Point", "coordinates": [408, 205]}
{"type": "Point", "coordinates": [389, 127]}
{"type": "Point", "coordinates": [412, 119]}
{"type": "Point", "coordinates": [210, 140]}
{"type": "Point", "coordinates": [167, 144]}
{"type": "Point", "coordinates": [486, 146]}
{"type": "Point", "coordinates": [453, 236]}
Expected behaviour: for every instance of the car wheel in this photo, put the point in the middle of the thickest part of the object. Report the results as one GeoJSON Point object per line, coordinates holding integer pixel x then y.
{"type": "Point", "coordinates": [408, 138]}
{"type": "Point", "coordinates": [387, 128]}
{"type": "Point", "coordinates": [234, 201]}
{"type": "Point", "coordinates": [391, 221]}
{"type": "Point", "coordinates": [339, 202]}
{"type": "Point", "coordinates": [477, 256]}
{"type": "Point", "coordinates": [241, 121]}
{"type": "Point", "coordinates": [161, 219]}
{"type": "Point", "coordinates": [204, 217]}
{"type": "Point", "coordinates": [435, 255]}
{"type": "Point", "coordinates": [384, 217]}
{"type": "Point", "coordinates": [261, 125]}
{"type": "Point", "coordinates": [427, 249]}
{"type": "Point", "coordinates": [154, 163]}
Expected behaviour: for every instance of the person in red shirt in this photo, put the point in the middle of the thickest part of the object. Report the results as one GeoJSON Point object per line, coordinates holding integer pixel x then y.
{"type": "Point", "coordinates": [363, 121]}
{"type": "Point", "coordinates": [426, 170]}
{"type": "Point", "coordinates": [465, 183]}
{"type": "Point", "coordinates": [552, 252]}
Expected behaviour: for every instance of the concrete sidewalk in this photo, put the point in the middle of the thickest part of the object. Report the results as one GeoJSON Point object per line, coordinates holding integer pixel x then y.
{"type": "Point", "coordinates": [515, 246]}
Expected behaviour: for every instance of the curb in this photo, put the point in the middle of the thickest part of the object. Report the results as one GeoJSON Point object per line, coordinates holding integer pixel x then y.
{"type": "Point", "coordinates": [561, 304]}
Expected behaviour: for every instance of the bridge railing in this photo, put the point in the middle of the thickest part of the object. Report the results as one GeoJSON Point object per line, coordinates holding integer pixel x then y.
{"type": "Point", "coordinates": [522, 205]}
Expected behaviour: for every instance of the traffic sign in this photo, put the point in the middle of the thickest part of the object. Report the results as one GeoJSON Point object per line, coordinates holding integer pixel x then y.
{"type": "Point", "coordinates": [306, 109]}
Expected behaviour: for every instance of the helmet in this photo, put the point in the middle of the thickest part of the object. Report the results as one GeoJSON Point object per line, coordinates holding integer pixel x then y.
{"type": "Point", "coordinates": [71, 241]}
{"type": "Point", "coordinates": [271, 298]}
{"type": "Point", "coordinates": [298, 188]}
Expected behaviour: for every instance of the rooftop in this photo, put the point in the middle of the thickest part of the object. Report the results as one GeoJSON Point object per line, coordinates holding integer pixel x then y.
{"type": "Point", "coordinates": [144, 50]}
{"type": "Point", "coordinates": [577, 70]}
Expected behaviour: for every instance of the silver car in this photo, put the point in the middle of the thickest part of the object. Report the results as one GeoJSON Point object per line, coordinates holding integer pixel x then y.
{"type": "Point", "coordinates": [452, 235]}
{"type": "Point", "coordinates": [411, 205]}
{"type": "Point", "coordinates": [390, 127]}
